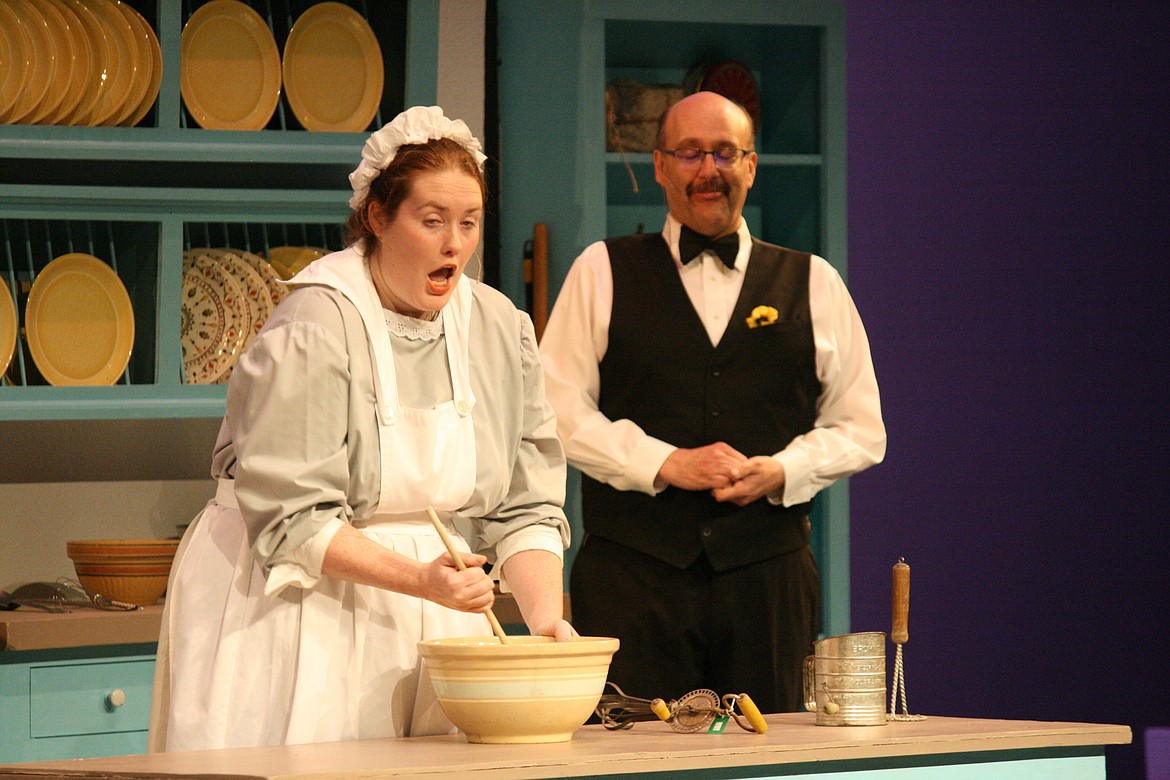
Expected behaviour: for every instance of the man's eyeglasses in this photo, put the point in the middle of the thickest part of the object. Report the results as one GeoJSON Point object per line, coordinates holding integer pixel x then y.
{"type": "Point", "coordinates": [725, 157]}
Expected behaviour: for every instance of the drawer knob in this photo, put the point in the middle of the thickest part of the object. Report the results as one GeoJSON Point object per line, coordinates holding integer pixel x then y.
{"type": "Point", "coordinates": [116, 698]}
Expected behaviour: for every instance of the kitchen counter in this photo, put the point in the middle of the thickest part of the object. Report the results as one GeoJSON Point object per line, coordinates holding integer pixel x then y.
{"type": "Point", "coordinates": [27, 629]}
{"type": "Point", "coordinates": [793, 745]}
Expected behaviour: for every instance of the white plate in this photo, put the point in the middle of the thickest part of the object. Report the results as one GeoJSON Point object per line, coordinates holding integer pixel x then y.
{"type": "Point", "coordinates": [276, 288]}
{"type": "Point", "coordinates": [211, 333]}
{"type": "Point", "coordinates": [255, 289]}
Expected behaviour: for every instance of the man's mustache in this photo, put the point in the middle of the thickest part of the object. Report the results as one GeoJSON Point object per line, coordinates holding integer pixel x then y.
{"type": "Point", "coordinates": [709, 185]}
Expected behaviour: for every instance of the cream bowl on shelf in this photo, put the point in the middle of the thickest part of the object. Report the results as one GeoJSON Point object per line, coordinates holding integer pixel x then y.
{"type": "Point", "coordinates": [131, 570]}
{"type": "Point", "coordinates": [533, 689]}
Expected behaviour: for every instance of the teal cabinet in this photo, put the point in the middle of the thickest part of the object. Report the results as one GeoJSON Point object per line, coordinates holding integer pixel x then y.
{"type": "Point", "coordinates": [555, 62]}
{"type": "Point", "coordinates": [76, 703]}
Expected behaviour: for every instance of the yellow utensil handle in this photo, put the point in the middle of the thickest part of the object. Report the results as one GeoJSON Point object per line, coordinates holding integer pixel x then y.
{"type": "Point", "coordinates": [659, 708]}
{"type": "Point", "coordinates": [497, 629]}
{"type": "Point", "coordinates": [752, 713]}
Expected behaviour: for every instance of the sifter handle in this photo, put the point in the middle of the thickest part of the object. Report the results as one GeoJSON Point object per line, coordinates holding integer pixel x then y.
{"type": "Point", "coordinates": [901, 631]}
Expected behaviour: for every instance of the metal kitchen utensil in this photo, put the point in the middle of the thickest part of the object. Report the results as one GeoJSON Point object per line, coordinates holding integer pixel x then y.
{"type": "Point", "coordinates": [845, 679]}
{"type": "Point", "coordinates": [900, 634]}
{"type": "Point", "coordinates": [695, 711]}
{"type": "Point", "coordinates": [63, 594]}
{"type": "Point", "coordinates": [8, 602]}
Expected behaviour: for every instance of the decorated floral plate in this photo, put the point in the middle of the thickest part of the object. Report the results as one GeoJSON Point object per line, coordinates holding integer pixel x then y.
{"type": "Point", "coordinates": [277, 289]}
{"type": "Point", "coordinates": [214, 322]}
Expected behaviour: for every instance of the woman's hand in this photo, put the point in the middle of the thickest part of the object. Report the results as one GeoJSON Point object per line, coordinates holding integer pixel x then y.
{"type": "Point", "coordinates": [466, 591]}
{"type": "Point", "coordinates": [557, 628]}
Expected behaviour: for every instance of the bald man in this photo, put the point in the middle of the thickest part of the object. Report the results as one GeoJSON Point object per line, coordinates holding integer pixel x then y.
{"type": "Point", "coordinates": [708, 385]}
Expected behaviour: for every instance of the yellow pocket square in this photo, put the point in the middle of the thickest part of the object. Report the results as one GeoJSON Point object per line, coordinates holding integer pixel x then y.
{"type": "Point", "coordinates": [761, 316]}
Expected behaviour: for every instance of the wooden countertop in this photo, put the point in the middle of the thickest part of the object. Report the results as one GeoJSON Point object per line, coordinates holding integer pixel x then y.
{"type": "Point", "coordinates": [792, 738]}
{"type": "Point", "coordinates": [27, 629]}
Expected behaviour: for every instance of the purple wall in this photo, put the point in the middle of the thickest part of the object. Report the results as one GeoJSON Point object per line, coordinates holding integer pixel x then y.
{"type": "Point", "coordinates": [1009, 183]}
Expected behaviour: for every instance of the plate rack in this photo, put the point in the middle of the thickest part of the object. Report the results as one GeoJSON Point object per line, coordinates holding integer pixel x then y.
{"type": "Point", "coordinates": [388, 20]}
{"type": "Point", "coordinates": [407, 32]}
{"type": "Point", "coordinates": [142, 233]}
{"type": "Point", "coordinates": [138, 197]}
{"type": "Point", "coordinates": [130, 249]}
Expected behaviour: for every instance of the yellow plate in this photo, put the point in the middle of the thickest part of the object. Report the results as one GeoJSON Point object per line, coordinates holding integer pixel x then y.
{"type": "Point", "coordinates": [152, 70]}
{"type": "Point", "coordinates": [74, 50]}
{"type": "Point", "coordinates": [102, 61]}
{"type": "Point", "coordinates": [14, 45]}
{"type": "Point", "coordinates": [139, 43]}
{"type": "Point", "coordinates": [229, 67]}
{"type": "Point", "coordinates": [63, 63]}
{"type": "Point", "coordinates": [119, 70]}
{"type": "Point", "coordinates": [333, 69]}
{"type": "Point", "coordinates": [123, 75]}
{"type": "Point", "coordinates": [32, 106]}
{"type": "Point", "coordinates": [291, 260]}
{"type": "Point", "coordinates": [7, 327]}
{"type": "Point", "coordinates": [79, 322]}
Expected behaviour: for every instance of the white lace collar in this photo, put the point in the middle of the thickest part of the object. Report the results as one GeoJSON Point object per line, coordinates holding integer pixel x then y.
{"type": "Point", "coordinates": [411, 328]}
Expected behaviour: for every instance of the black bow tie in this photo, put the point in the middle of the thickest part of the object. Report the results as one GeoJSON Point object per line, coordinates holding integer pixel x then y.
{"type": "Point", "coordinates": [691, 244]}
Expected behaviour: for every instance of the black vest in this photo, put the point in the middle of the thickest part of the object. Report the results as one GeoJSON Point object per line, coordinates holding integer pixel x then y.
{"type": "Point", "coordinates": [756, 390]}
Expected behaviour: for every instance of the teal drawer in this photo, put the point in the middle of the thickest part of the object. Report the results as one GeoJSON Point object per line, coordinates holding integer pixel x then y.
{"type": "Point", "coordinates": [83, 698]}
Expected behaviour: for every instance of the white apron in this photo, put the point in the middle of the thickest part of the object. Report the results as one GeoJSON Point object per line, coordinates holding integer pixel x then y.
{"type": "Point", "coordinates": [338, 661]}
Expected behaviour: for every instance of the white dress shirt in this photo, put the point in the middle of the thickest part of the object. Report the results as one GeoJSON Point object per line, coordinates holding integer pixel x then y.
{"type": "Point", "coordinates": [848, 434]}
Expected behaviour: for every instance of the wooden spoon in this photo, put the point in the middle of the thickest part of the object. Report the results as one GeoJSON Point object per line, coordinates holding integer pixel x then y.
{"type": "Point", "coordinates": [446, 537]}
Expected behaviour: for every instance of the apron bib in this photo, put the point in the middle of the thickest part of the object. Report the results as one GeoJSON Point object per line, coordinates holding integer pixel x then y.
{"type": "Point", "coordinates": [428, 455]}
{"type": "Point", "coordinates": [427, 459]}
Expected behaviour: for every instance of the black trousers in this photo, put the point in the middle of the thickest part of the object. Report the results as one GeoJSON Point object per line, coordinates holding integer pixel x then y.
{"type": "Point", "coordinates": [746, 630]}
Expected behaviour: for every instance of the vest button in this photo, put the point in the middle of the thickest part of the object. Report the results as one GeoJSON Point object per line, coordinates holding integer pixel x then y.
{"type": "Point", "coordinates": [706, 532]}
{"type": "Point", "coordinates": [715, 372]}
{"type": "Point", "coordinates": [714, 412]}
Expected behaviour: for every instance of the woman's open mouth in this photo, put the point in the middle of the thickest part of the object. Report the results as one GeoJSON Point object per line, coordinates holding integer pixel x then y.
{"type": "Point", "coordinates": [439, 280]}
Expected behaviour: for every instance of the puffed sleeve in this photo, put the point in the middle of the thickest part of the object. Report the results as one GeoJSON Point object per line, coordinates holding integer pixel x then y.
{"type": "Point", "coordinates": [531, 514]}
{"type": "Point", "coordinates": [288, 414]}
